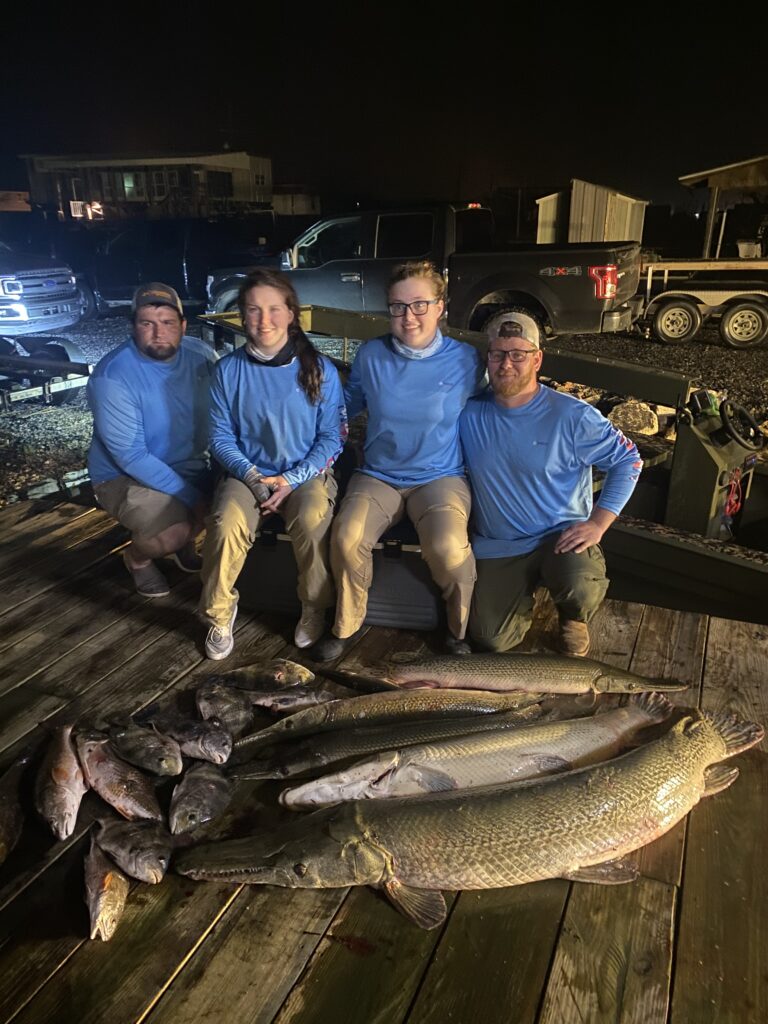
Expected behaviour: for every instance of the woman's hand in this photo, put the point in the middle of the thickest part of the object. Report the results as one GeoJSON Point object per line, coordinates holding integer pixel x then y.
{"type": "Point", "coordinates": [280, 489]}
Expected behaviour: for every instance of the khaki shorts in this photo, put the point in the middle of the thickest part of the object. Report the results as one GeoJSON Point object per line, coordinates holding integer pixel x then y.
{"type": "Point", "coordinates": [140, 509]}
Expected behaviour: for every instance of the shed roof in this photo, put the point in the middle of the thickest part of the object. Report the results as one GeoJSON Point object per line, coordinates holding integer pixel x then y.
{"type": "Point", "coordinates": [746, 174]}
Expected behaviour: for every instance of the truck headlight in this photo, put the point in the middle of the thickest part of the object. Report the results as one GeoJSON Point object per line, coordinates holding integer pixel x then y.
{"type": "Point", "coordinates": [10, 286]}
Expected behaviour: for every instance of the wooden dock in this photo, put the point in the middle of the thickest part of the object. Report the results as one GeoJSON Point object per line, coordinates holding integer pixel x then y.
{"type": "Point", "coordinates": [687, 943]}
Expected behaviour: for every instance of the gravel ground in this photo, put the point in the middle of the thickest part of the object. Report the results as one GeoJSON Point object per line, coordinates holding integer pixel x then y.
{"type": "Point", "coordinates": [39, 444]}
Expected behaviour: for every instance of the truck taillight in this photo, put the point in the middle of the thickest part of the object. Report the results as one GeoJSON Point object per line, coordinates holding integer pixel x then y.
{"type": "Point", "coordinates": [606, 281]}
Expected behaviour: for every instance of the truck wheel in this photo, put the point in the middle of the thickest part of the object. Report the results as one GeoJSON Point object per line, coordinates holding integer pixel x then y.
{"type": "Point", "coordinates": [494, 322]}
{"type": "Point", "coordinates": [217, 336]}
{"type": "Point", "coordinates": [676, 322]}
{"type": "Point", "coordinates": [744, 325]}
{"type": "Point", "coordinates": [89, 309]}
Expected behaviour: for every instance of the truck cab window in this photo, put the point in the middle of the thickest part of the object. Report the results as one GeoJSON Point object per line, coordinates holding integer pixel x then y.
{"type": "Point", "coordinates": [339, 240]}
{"type": "Point", "coordinates": [404, 236]}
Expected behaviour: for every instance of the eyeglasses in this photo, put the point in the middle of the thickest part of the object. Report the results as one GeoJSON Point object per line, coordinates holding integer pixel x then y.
{"type": "Point", "coordinates": [517, 355]}
{"type": "Point", "coordinates": [418, 308]}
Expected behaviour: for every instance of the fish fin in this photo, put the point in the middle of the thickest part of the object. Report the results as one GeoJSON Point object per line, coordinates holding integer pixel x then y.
{"type": "Point", "coordinates": [548, 763]}
{"type": "Point", "coordinates": [653, 704]}
{"type": "Point", "coordinates": [362, 684]}
{"type": "Point", "coordinates": [425, 907]}
{"type": "Point", "coordinates": [610, 872]}
{"type": "Point", "coordinates": [419, 684]}
{"type": "Point", "coordinates": [738, 734]}
{"type": "Point", "coordinates": [432, 780]}
{"type": "Point", "coordinates": [404, 657]}
{"type": "Point", "coordinates": [719, 777]}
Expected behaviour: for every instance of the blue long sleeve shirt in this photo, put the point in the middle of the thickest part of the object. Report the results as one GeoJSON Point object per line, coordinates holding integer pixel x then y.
{"type": "Point", "coordinates": [530, 469]}
{"type": "Point", "coordinates": [150, 418]}
{"type": "Point", "coordinates": [261, 416]}
{"type": "Point", "coordinates": [413, 408]}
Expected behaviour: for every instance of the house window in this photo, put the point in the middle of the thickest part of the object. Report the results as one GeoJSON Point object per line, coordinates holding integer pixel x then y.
{"type": "Point", "coordinates": [173, 179]}
{"type": "Point", "coordinates": [159, 186]}
{"type": "Point", "coordinates": [135, 185]}
{"type": "Point", "coordinates": [106, 186]}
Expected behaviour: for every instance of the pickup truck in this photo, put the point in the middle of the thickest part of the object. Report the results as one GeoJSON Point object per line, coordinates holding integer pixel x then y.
{"type": "Point", "coordinates": [37, 294]}
{"type": "Point", "coordinates": [345, 262]}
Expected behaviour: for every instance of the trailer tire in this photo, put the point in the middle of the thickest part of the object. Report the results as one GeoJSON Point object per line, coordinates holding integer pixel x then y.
{"type": "Point", "coordinates": [676, 322]}
{"type": "Point", "coordinates": [744, 325]}
{"type": "Point", "coordinates": [60, 354]}
{"type": "Point", "coordinates": [496, 319]}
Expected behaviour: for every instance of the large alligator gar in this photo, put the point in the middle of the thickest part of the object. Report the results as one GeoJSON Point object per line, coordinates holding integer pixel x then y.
{"type": "Point", "coordinates": [538, 673]}
{"type": "Point", "coordinates": [485, 759]}
{"type": "Point", "coordinates": [380, 708]}
{"type": "Point", "coordinates": [570, 826]}
{"type": "Point", "coordinates": [315, 752]}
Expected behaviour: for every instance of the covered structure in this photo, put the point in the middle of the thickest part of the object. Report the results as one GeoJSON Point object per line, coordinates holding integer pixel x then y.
{"type": "Point", "coordinates": [745, 176]}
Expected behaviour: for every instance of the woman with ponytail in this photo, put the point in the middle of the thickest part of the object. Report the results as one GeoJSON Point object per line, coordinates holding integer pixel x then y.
{"type": "Point", "coordinates": [278, 424]}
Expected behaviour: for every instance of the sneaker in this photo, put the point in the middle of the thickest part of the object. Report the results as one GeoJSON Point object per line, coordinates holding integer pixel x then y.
{"type": "Point", "coordinates": [455, 646]}
{"type": "Point", "coordinates": [220, 640]}
{"type": "Point", "coordinates": [149, 581]}
{"type": "Point", "coordinates": [573, 638]}
{"type": "Point", "coordinates": [187, 559]}
{"type": "Point", "coordinates": [332, 647]}
{"type": "Point", "coordinates": [311, 626]}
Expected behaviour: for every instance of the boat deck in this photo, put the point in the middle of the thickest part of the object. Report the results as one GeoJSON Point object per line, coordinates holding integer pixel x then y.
{"type": "Point", "coordinates": [685, 943]}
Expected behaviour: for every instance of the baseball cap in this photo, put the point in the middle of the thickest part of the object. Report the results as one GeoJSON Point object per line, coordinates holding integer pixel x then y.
{"type": "Point", "coordinates": [157, 294]}
{"type": "Point", "coordinates": [520, 325]}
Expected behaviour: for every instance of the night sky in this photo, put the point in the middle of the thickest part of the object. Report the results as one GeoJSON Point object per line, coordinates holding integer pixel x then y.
{"type": "Point", "coordinates": [394, 101]}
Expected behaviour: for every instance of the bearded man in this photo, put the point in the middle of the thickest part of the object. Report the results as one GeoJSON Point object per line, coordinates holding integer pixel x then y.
{"type": "Point", "coordinates": [529, 452]}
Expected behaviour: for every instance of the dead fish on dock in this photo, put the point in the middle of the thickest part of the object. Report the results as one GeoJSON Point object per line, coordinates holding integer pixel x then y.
{"type": "Point", "coordinates": [106, 890]}
{"type": "Point", "coordinates": [146, 748]}
{"type": "Point", "coordinates": [314, 752]}
{"type": "Point", "coordinates": [142, 849]}
{"type": "Point", "coordinates": [121, 784]}
{"type": "Point", "coordinates": [277, 672]}
{"type": "Point", "coordinates": [485, 758]}
{"type": "Point", "coordinates": [201, 796]}
{"type": "Point", "coordinates": [577, 826]}
{"type": "Point", "coordinates": [11, 814]}
{"type": "Point", "coordinates": [236, 709]}
{"type": "Point", "coordinates": [206, 741]}
{"type": "Point", "coordinates": [380, 708]}
{"type": "Point", "coordinates": [60, 784]}
{"type": "Point", "coordinates": [539, 673]}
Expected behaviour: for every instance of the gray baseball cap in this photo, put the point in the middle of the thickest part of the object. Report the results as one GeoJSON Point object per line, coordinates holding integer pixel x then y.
{"type": "Point", "coordinates": [520, 326]}
{"type": "Point", "coordinates": [157, 294]}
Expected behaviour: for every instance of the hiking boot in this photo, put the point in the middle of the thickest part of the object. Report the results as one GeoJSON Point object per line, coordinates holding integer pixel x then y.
{"type": "Point", "coordinates": [332, 647]}
{"type": "Point", "coordinates": [187, 558]}
{"type": "Point", "coordinates": [149, 581]}
{"type": "Point", "coordinates": [220, 640]}
{"type": "Point", "coordinates": [310, 627]}
{"type": "Point", "coordinates": [453, 645]}
{"type": "Point", "coordinates": [573, 638]}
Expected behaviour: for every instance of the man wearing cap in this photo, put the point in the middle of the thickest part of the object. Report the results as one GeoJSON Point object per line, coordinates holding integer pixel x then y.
{"type": "Point", "coordinates": [148, 460]}
{"type": "Point", "coordinates": [529, 452]}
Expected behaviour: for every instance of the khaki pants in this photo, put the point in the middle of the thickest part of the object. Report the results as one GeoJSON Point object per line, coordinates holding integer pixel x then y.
{"type": "Point", "coordinates": [439, 510]}
{"type": "Point", "coordinates": [230, 533]}
{"type": "Point", "coordinates": [142, 510]}
{"type": "Point", "coordinates": [502, 604]}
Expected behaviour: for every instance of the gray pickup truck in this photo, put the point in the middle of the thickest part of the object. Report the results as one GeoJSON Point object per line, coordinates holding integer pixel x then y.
{"type": "Point", "coordinates": [37, 294]}
{"type": "Point", "coordinates": [345, 262]}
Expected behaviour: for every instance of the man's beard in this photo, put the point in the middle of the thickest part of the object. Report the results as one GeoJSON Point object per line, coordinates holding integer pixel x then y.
{"type": "Point", "coordinates": [162, 353]}
{"type": "Point", "coordinates": [509, 387]}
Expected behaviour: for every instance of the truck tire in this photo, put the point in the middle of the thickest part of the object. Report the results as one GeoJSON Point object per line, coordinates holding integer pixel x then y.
{"type": "Point", "coordinates": [744, 325]}
{"type": "Point", "coordinates": [494, 322]}
{"type": "Point", "coordinates": [676, 322]}
{"type": "Point", "coordinates": [225, 303]}
{"type": "Point", "coordinates": [88, 306]}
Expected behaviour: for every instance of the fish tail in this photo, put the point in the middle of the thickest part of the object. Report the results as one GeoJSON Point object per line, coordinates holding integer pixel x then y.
{"type": "Point", "coordinates": [653, 704]}
{"type": "Point", "coordinates": [737, 733]}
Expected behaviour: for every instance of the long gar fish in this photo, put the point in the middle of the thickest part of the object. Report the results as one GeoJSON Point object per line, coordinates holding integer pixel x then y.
{"type": "Point", "coordinates": [381, 708]}
{"type": "Point", "coordinates": [539, 673]}
{"type": "Point", "coordinates": [486, 758]}
{"type": "Point", "coordinates": [575, 826]}
{"type": "Point", "coordinates": [314, 752]}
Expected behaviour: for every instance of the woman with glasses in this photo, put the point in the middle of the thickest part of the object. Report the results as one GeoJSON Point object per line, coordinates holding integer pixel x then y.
{"type": "Point", "coordinates": [413, 383]}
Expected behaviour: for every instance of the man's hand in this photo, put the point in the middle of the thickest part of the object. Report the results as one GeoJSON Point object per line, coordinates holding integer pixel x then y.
{"type": "Point", "coordinates": [257, 485]}
{"type": "Point", "coordinates": [280, 489]}
{"type": "Point", "coordinates": [580, 536]}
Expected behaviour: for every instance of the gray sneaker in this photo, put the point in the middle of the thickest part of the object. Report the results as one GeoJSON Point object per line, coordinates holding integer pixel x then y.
{"type": "Point", "coordinates": [220, 640]}
{"type": "Point", "coordinates": [149, 581]}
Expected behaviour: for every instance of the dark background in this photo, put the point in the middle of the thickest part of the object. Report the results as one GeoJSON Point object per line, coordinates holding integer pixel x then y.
{"type": "Point", "coordinates": [387, 102]}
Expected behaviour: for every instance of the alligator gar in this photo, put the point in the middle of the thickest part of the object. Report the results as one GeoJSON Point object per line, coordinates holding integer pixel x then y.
{"type": "Point", "coordinates": [539, 673]}
{"type": "Point", "coordinates": [380, 708]}
{"type": "Point", "coordinates": [579, 826]}
{"type": "Point", "coordinates": [314, 752]}
{"type": "Point", "coordinates": [486, 758]}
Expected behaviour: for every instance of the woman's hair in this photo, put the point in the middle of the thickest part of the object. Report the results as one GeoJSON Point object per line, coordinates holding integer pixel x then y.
{"type": "Point", "coordinates": [419, 268]}
{"type": "Point", "coordinates": [310, 365]}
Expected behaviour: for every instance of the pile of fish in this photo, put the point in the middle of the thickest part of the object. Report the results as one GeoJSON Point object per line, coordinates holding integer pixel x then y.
{"type": "Point", "coordinates": [479, 778]}
{"type": "Point", "coordinates": [124, 761]}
